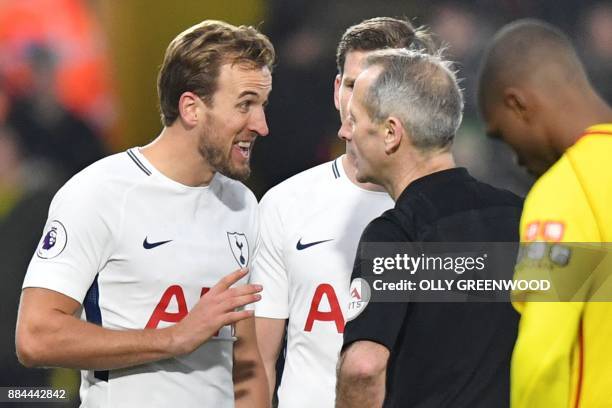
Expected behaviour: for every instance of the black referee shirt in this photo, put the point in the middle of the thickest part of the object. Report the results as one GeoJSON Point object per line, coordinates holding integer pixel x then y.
{"type": "Point", "coordinates": [444, 354]}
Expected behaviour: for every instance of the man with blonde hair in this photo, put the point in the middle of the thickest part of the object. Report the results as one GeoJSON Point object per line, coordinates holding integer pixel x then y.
{"type": "Point", "coordinates": [142, 241]}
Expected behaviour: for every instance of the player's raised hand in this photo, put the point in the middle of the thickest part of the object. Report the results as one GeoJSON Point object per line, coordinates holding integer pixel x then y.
{"type": "Point", "coordinates": [215, 309]}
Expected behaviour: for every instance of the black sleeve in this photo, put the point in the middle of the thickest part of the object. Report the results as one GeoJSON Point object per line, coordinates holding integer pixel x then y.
{"type": "Point", "coordinates": [379, 322]}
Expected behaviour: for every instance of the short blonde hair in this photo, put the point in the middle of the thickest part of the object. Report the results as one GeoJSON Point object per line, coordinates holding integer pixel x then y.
{"type": "Point", "coordinates": [193, 60]}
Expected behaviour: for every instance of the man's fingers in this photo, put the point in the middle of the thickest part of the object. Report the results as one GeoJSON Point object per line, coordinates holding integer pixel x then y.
{"type": "Point", "coordinates": [234, 317]}
{"type": "Point", "coordinates": [229, 280]}
{"type": "Point", "coordinates": [243, 290]}
{"type": "Point", "coordinates": [238, 301]}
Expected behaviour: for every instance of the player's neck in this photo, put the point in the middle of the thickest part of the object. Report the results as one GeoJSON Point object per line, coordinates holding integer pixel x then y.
{"type": "Point", "coordinates": [589, 110]}
{"type": "Point", "coordinates": [408, 171]}
{"type": "Point", "coordinates": [350, 170]}
{"type": "Point", "coordinates": [176, 156]}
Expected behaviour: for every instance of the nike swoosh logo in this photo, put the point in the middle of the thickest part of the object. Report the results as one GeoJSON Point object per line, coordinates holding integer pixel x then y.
{"type": "Point", "coordinates": [149, 245]}
{"type": "Point", "coordinates": [299, 246]}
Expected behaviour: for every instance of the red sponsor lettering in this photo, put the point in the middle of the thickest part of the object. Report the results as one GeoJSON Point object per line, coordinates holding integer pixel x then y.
{"type": "Point", "coordinates": [161, 314]}
{"type": "Point", "coordinates": [333, 315]}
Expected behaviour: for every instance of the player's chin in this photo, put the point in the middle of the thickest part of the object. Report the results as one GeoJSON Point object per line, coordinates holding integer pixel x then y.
{"type": "Point", "coordinates": [238, 165]}
{"type": "Point", "coordinates": [240, 172]}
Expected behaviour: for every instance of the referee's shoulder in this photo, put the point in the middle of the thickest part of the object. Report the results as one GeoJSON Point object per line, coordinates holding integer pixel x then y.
{"type": "Point", "coordinates": [499, 196]}
{"type": "Point", "coordinates": [385, 228]}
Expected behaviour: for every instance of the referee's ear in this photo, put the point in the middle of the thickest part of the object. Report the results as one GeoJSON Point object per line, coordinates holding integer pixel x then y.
{"type": "Point", "coordinates": [394, 131]}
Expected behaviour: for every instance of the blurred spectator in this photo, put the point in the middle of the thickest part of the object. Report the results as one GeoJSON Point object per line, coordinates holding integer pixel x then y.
{"type": "Point", "coordinates": [464, 35]}
{"type": "Point", "coordinates": [464, 30]}
{"type": "Point", "coordinates": [596, 46]}
{"type": "Point", "coordinates": [26, 189]}
{"type": "Point", "coordinates": [72, 33]}
{"type": "Point", "coordinates": [47, 129]}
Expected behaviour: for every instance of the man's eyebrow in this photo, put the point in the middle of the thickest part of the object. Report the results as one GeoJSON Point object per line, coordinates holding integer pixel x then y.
{"type": "Point", "coordinates": [245, 93]}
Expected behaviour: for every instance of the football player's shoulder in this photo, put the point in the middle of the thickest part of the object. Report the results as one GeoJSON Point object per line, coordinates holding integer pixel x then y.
{"type": "Point", "coordinates": [102, 180]}
{"type": "Point", "coordinates": [556, 183]}
{"type": "Point", "coordinates": [593, 149]}
{"type": "Point", "coordinates": [584, 162]}
{"type": "Point", "coordinates": [590, 159]}
{"type": "Point", "coordinates": [302, 184]}
{"type": "Point", "coordinates": [556, 206]}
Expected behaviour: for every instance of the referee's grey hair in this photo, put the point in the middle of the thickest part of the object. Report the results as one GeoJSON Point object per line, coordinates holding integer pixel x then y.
{"type": "Point", "coordinates": [421, 90]}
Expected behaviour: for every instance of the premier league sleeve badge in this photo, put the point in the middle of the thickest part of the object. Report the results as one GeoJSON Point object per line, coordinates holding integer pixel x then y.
{"type": "Point", "coordinates": [53, 242]}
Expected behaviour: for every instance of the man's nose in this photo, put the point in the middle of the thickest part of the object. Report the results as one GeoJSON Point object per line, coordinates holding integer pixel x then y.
{"type": "Point", "coordinates": [345, 132]}
{"type": "Point", "coordinates": [258, 123]}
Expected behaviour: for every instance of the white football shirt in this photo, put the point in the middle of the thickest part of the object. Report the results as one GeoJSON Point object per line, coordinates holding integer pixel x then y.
{"type": "Point", "coordinates": [310, 228]}
{"type": "Point", "coordinates": [138, 249]}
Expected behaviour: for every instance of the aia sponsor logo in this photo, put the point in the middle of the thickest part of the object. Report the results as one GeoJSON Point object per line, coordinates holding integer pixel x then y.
{"type": "Point", "coordinates": [319, 313]}
{"type": "Point", "coordinates": [172, 308]}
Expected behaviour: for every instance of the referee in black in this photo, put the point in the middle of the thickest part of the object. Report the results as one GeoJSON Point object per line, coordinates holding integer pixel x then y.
{"type": "Point", "coordinates": [405, 110]}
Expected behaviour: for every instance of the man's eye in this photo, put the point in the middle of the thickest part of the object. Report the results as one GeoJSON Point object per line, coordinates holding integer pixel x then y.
{"type": "Point", "coordinates": [351, 121]}
{"type": "Point", "coordinates": [244, 106]}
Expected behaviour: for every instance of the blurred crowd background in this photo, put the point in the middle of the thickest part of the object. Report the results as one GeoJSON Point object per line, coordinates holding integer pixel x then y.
{"type": "Point", "coordinates": [77, 82]}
